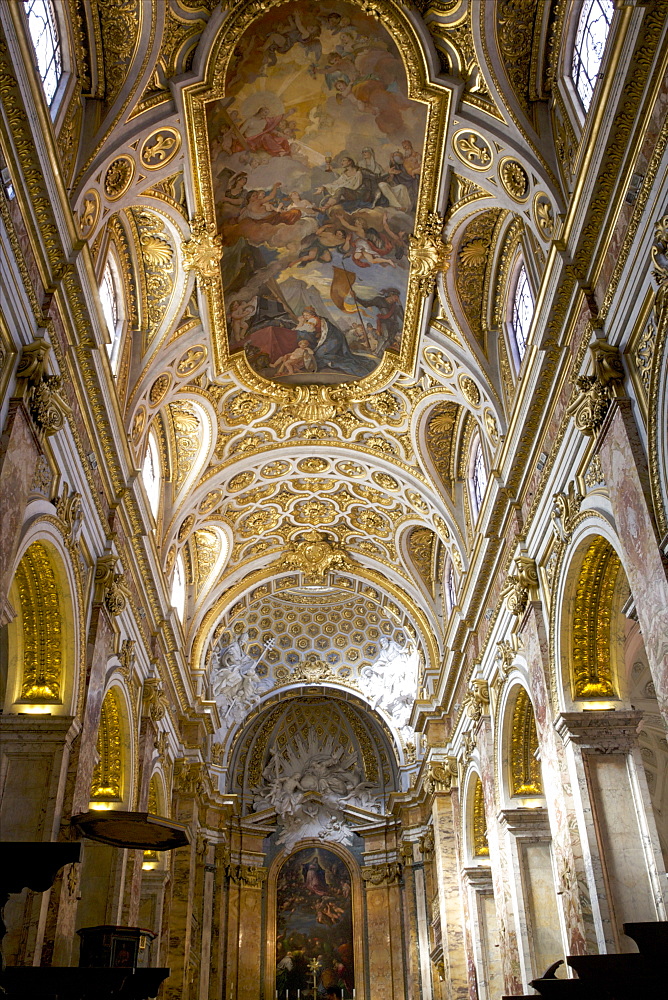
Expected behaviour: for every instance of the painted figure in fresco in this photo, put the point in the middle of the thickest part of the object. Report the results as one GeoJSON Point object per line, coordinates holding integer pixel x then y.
{"type": "Point", "coordinates": [389, 318]}
{"type": "Point", "coordinates": [346, 187]}
{"type": "Point", "coordinates": [330, 345]}
{"type": "Point", "coordinates": [261, 132]}
{"type": "Point", "coordinates": [302, 359]}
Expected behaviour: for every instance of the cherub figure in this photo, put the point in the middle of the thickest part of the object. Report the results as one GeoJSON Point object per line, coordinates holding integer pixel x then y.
{"type": "Point", "coordinates": [301, 359]}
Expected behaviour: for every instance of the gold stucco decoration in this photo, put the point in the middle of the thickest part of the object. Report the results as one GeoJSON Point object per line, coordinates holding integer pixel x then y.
{"type": "Point", "coordinates": [118, 177]}
{"type": "Point", "coordinates": [480, 845]}
{"type": "Point", "coordinates": [314, 555]}
{"type": "Point", "coordinates": [203, 251]}
{"type": "Point", "coordinates": [107, 780]}
{"type": "Point", "coordinates": [428, 252]}
{"type": "Point", "coordinates": [514, 179]}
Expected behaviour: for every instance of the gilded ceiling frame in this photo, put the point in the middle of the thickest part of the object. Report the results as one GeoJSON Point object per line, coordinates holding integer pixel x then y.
{"type": "Point", "coordinates": [428, 252]}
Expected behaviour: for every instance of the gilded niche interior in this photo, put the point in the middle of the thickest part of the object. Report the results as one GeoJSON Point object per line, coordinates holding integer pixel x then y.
{"type": "Point", "coordinates": [333, 490]}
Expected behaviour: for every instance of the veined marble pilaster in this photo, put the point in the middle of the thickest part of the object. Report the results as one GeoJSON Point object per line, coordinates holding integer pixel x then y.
{"type": "Point", "coordinates": [536, 914]}
{"type": "Point", "coordinates": [498, 861]}
{"type": "Point", "coordinates": [449, 895]}
{"type": "Point", "coordinates": [622, 458]}
{"type": "Point", "coordinates": [573, 888]}
{"type": "Point", "coordinates": [615, 813]}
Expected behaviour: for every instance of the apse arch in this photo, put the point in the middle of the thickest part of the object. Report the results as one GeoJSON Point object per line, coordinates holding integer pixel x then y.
{"type": "Point", "coordinates": [113, 780]}
{"type": "Point", "coordinates": [236, 592]}
{"type": "Point", "coordinates": [379, 750]}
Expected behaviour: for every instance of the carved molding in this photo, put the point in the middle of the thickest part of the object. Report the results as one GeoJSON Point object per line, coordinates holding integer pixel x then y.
{"type": "Point", "coordinates": [595, 392]}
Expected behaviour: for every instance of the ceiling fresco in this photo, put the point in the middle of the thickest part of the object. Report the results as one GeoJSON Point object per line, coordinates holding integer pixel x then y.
{"type": "Point", "coordinates": [316, 210]}
{"type": "Point", "coordinates": [315, 157]}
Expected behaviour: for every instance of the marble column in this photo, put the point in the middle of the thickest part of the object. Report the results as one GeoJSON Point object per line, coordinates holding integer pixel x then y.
{"type": "Point", "coordinates": [219, 921]}
{"type": "Point", "coordinates": [133, 881]}
{"type": "Point", "coordinates": [385, 967]}
{"type": "Point", "coordinates": [485, 946]}
{"type": "Point", "coordinates": [532, 881]}
{"type": "Point", "coordinates": [449, 896]}
{"type": "Point", "coordinates": [614, 812]}
{"type": "Point", "coordinates": [624, 465]}
{"type": "Point", "coordinates": [512, 976]}
{"type": "Point", "coordinates": [415, 921]}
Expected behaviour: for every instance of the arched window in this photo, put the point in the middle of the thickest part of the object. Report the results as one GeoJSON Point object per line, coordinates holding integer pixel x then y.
{"type": "Point", "coordinates": [178, 596]}
{"type": "Point", "coordinates": [522, 312]}
{"type": "Point", "coordinates": [112, 309]}
{"type": "Point", "coordinates": [151, 473]}
{"type": "Point", "coordinates": [477, 476]}
{"type": "Point", "coordinates": [43, 29]}
{"type": "Point", "coordinates": [590, 39]}
{"type": "Point", "coordinates": [450, 587]}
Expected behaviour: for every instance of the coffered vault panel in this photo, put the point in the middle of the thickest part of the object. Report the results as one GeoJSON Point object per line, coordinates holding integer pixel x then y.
{"type": "Point", "coordinates": [342, 629]}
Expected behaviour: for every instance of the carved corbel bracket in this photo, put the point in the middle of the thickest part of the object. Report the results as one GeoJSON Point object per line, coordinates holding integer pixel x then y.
{"type": "Point", "coordinates": [427, 844]}
{"type": "Point", "coordinates": [110, 589]}
{"type": "Point", "coordinates": [521, 586]}
{"type": "Point", "coordinates": [476, 702]}
{"type": "Point", "coordinates": [468, 746]}
{"type": "Point", "coordinates": [388, 873]}
{"type": "Point", "coordinates": [154, 699]}
{"type": "Point", "coordinates": [595, 392]}
{"type": "Point", "coordinates": [565, 507]}
{"type": "Point", "coordinates": [68, 509]}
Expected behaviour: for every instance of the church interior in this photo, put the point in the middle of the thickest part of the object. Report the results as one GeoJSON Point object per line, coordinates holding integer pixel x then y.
{"type": "Point", "coordinates": [333, 499]}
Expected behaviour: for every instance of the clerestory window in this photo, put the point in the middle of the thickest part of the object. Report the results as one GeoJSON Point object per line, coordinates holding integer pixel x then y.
{"type": "Point", "coordinates": [522, 312]}
{"type": "Point", "coordinates": [178, 597]}
{"type": "Point", "coordinates": [478, 476]}
{"type": "Point", "coordinates": [45, 37]}
{"type": "Point", "coordinates": [151, 474]}
{"type": "Point", "coordinates": [590, 38]}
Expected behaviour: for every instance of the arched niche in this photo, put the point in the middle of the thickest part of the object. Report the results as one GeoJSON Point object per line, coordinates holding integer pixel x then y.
{"type": "Point", "coordinates": [296, 726]}
{"type": "Point", "coordinates": [591, 623]}
{"type": "Point", "coordinates": [41, 655]}
{"type": "Point", "coordinates": [520, 770]}
{"type": "Point", "coordinates": [475, 820]}
{"type": "Point", "coordinates": [322, 881]}
{"type": "Point", "coordinates": [112, 781]}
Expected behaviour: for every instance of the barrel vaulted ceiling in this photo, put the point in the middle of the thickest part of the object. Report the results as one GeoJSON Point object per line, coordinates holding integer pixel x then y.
{"type": "Point", "coordinates": [257, 477]}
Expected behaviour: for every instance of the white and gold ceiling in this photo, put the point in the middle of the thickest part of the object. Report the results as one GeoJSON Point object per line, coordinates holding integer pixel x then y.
{"type": "Point", "coordinates": [372, 477]}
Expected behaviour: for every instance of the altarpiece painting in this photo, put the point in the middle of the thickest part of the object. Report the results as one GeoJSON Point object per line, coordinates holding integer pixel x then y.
{"type": "Point", "coordinates": [314, 922]}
